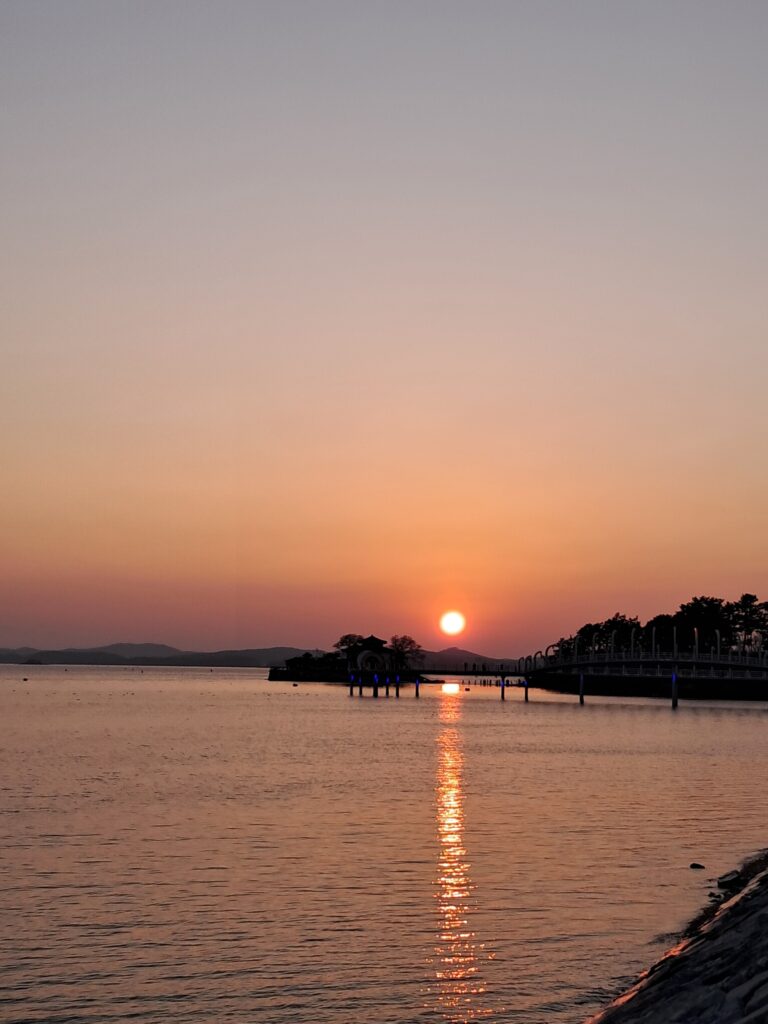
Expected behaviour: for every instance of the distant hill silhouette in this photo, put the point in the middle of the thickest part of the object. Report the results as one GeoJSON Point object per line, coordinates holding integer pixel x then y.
{"type": "Point", "coordinates": [260, 657]}
{"type": "Point", "coordinates": [153, 654]}
{"type": "Point", "coordinates": [138, 650]}
{"type": "Point", "coordinates": [451, 659]}
{"type": "Point", "coordinates": [20, 652]}
{"type": "Point", "coordinates": [456, 657]}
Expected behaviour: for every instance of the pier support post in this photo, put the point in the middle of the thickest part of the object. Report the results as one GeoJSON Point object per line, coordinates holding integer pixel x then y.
{"type": "Point", "coordinates": [417, 688]}
{"type": "Point", "coordinates": [360, 688]}
{"type": "Point", "coordinates": [674, 690]}
{"type": "Point", "coordinates": [503, 687]}
{"type": "Point", "coordinates": [525, 684]}
{"type": "Point", "coordinates": [351, 686]}
{"type": "Point", "coordinates": [581, 687]}
{"type": "Point", "coordinates": [386, 688]}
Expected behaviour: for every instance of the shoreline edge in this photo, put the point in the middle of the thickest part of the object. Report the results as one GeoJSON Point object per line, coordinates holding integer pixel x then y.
{"type": "Point", "coordinates": [718, 972]}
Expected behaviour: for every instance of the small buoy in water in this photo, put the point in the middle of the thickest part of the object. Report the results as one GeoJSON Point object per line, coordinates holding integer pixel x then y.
{"type": "Point", "coordinates": [697, 867]}
{"type": "Point", "coordinates": [25, 679]}
{"type": "Point", "coordinates": [466, 689]}
{"type": "Point", "coordinates": [295, 684]}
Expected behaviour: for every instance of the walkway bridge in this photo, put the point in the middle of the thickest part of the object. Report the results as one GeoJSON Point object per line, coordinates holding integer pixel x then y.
{"type": "Point", "coordinates": [689, 664]}
{"type": "Point", "coordinates": [734, 675]}
{"type": "Point", "coordinates": [685, 664]}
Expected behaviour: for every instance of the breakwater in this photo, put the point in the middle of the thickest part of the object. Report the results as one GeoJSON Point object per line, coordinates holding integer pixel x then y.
{"type": "Point", "coordinates": [718, 972]}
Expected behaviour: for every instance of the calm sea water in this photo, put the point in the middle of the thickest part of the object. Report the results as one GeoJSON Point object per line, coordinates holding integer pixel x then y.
{"type": "Point", "coordinates": [210, 846]}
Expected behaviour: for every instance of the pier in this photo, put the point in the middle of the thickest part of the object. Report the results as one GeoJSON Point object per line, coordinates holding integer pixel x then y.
{"type": "Point", "coordinates": [670, 675]}
{"type": "Point", "coordinates": [692, 675]}
{"type": "Point", "coordinates": [375, 682]}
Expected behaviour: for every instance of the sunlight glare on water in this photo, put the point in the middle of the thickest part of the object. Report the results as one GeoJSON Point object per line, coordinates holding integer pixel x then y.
{"type": "Point", "coordinates": [460, 988]}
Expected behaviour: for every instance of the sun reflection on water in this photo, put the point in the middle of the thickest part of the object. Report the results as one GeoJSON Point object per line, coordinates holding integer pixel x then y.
{"type": "Point", "coordinates": [460, 990]}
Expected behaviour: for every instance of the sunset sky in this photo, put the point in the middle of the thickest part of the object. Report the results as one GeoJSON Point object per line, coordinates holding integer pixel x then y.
{"type": "Point", "coordinates": [321, 317]}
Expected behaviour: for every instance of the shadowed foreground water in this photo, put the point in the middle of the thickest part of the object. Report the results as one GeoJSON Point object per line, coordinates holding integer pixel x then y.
{"type": "Point", "coordinates": [210, 846]}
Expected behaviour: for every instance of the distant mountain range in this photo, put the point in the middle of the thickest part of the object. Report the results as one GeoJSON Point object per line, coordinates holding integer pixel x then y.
{"type": "Point", "coordinates": [455, 658]}
{"type": "Point", "coordinates": [451, 659]}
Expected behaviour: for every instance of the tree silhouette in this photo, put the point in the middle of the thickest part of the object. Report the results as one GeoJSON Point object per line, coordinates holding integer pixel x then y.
{"type": "Point", "coordinates": [615, 633]}
{"type": "Point", "coordinates": [750, 620]}
{"type": "Point", "coordinates": [708, 615]}
{"type": "Point", "coordinates": [348, 640]}
{"type": "Point", "coordinates": [660, 630]}
{"type": "Point", "coordinates": [406, 651]}
{"type": "Point", "coordinates": [711, 621]}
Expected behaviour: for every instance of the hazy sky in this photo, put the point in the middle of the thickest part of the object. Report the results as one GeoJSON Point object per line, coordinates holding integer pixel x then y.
{"type": "Point", "coordinates": [321, 317]}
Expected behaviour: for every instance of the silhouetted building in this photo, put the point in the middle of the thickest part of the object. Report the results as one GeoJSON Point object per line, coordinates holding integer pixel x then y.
{"type": "Point", "coordinates": [370, 655]}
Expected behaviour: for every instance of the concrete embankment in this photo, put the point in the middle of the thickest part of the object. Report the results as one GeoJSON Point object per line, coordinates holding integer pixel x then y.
{"type": "Point", "coordinates": [718, 973]}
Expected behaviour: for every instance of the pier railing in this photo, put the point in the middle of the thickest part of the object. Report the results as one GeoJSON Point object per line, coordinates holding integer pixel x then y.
{"type": "Point", "coordinates": [712, 664]}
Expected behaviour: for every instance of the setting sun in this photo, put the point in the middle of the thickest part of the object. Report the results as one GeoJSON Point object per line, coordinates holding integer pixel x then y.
{"type": "Point", "coordinates": [452, 623]}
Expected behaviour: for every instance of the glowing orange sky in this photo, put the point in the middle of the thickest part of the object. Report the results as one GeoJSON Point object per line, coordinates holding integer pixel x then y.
{"type": "Point", "coordinates": [326, 327]}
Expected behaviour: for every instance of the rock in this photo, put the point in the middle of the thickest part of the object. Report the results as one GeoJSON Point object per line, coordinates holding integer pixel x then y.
{"type": "Point", "coordinates": [730, 880]}
{"type": "Point", "coordinates": [696, 866]}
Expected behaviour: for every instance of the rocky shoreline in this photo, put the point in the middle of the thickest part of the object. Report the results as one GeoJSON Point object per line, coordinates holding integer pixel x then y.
{"type": "Point", "coordinates": [718, 972]}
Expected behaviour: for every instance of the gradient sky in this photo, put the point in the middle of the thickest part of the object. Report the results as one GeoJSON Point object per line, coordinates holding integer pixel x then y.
{"type": "Point", "coordinates": [328, 316]}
